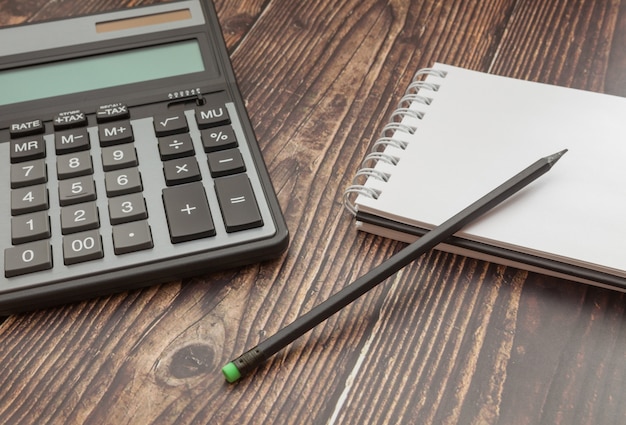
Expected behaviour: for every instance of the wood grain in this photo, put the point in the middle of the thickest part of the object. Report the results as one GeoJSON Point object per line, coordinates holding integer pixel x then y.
{"type": "Point", "coordinates": [447, 340]}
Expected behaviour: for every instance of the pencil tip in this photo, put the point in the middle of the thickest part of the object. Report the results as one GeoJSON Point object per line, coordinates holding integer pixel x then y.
{"type": "Point", "coordinates": [552, 159]}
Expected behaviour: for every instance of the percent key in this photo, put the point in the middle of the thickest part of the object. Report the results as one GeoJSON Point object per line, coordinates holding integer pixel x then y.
{"type": "Point", "coordinates": [218, 138]}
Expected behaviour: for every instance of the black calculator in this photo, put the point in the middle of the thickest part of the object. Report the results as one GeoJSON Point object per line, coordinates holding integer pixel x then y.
{"type": "Point", "coordinates": [128, 155]}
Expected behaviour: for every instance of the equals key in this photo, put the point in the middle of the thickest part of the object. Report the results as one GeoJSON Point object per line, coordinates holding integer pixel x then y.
{"type": "Point", "coordinates": [238, 203]}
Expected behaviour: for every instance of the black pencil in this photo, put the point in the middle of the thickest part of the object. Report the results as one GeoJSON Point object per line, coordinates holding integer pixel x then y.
{"type": "Point", "coordinates": [248, 361]}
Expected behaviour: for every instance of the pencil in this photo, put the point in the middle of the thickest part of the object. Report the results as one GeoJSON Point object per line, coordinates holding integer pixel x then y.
{"type": "Point", "coordinates": [253, 358]}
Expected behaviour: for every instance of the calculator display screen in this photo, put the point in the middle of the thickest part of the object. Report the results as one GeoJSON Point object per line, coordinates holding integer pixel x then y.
{"type": "Point", "coordinates": [100, 71]}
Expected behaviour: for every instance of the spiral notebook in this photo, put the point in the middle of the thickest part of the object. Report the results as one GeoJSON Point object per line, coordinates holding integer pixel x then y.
{"type": "Point", "coordinates": [457, 134]}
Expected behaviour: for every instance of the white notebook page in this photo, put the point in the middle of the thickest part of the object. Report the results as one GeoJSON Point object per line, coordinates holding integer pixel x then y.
{"type": "Point", "coordinates": [482, 129]}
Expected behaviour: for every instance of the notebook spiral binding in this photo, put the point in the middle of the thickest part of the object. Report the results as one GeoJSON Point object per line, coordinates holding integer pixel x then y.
{"type": "Point", "coordinates": [387, 138]}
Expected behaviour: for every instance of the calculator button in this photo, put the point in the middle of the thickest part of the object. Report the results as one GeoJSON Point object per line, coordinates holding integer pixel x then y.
{"type": "Point", "coordinates": [188, 213]}
{"type": "Point", "coordinates": [168, 124]}
{"type": "Point", "coordinates": [30, 227]}
{"type": "Point", "coordinates": [80, 217]}
{"type": "Point", "coordinates": [211, 115]}
{"type": "Point", "coordinates": [27, 149]}
{"type": "Point", "coordinates": [122, 182]}
{"type": "Point", "coordinates": [29, 199]}
{"type": "Point", "coordinates": [179, 171]}
{"type": "Point", "coordinates": [223, 163]}
{"type": "Point", "coordinates": [113, 112]}
{"type": "Point", "coordinates": [27, 258]}
{"type": "Point", "coordinates": [80, 247]}
{"type": "Point", "coordinates": [238, 203]}
{"type": "Point", "coordinates": [131, 237]}
{"type": "Point", "coordinates": [120, 156]}
{"type": "Point", "coordinates": [177, 146]}
{"type": "Point", "coordinates": [74, 165]}
{"type": "Point", "coordinates": [28, 173]}
{"type": "Point", "coordinates": [71, 141]}
{"type": "Point", "coordinates": [218, 138]}
{"type": "Point", "coordinates": [123, 209]}
{"type": "Point", "coordinates": [69, 119]}
{"type": "Point", "coordinates": [115, 133]}
{"type": "Point", "coordinates": [26, 128]}
{"type": "Point", "coordinates": [77, 190]}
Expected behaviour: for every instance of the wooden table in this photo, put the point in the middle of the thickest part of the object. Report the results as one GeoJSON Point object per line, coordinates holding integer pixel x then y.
{"type": "Point", "coordinates": [447, 340]}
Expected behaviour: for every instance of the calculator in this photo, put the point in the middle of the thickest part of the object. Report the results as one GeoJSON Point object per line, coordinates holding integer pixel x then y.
{"type": "Point", "coordinates": [129, 158]}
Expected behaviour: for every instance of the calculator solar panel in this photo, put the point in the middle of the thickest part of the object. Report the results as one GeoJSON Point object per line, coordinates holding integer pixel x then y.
{"type": "Point", "coordinates": [128, 157]}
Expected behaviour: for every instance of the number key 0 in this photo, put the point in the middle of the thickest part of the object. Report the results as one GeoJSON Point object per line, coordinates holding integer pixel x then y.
{"type": "Point", "coordinates": [27, 258]}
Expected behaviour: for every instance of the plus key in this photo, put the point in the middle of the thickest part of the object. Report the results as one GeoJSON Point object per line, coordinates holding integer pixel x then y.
{"type": "Point", "coordinates": [188, 213]}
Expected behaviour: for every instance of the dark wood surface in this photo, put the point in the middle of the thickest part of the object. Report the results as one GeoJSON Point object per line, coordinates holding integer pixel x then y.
{"type": "Point", "coordinates": [448, 340]}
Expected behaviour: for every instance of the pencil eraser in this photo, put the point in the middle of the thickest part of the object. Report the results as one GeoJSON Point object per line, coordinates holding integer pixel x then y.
{"type": "Point", "coordinates": [231, 373]}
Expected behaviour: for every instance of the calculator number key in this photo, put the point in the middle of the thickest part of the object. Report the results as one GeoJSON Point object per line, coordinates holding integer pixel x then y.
{"type": "Point", "coordinates": [77, 218]}
{"type": "Point", "coordinates": [80, 247]}
{"type": "Point", "coordinates": [123, 209]}
{"type": "Point", "coordinates": [30, 227]}
{"type": "Point", "coordinates": [117, 157]}
{"type": "Point", "coordinates": [74, 165]}
{"type": "Point", "coordinates": [122, 182]}
{"type": "Point", "coordinates": [29, 199]}
{"type": "Point", "coordinates": [28, 173]}
{"type": "Point", "coordinates": [75, 191]}
{"type": "Point", "coordinates": [27, 258]}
